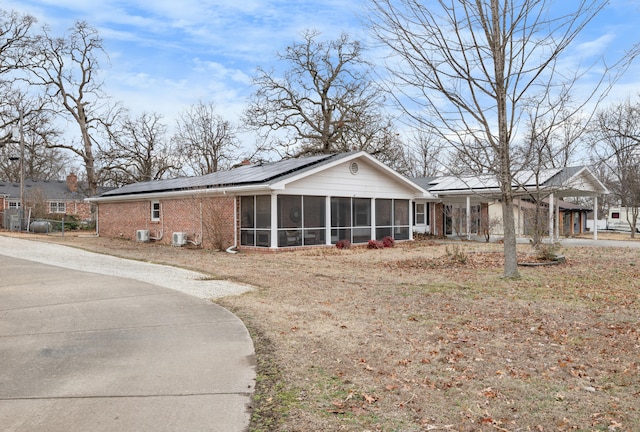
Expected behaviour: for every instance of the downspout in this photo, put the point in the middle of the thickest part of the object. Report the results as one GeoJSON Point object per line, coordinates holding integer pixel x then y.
{"type": "Point", "coordinates": [232, 249]}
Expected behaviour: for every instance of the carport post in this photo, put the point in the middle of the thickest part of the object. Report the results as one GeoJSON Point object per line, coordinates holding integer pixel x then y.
{"type": "Point", "coordinates": [595, 217]}
{"type": "Point", "coordinates": [468, 217]}
{"type": "Point", "coordinates": [551, 217]}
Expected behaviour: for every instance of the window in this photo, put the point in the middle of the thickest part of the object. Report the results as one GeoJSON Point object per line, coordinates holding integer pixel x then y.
{"type": "Point", "coordinates": [255, 220]}
{"type": "Point", "coordinates": [340, 219]}
{"type": "Point", "coordinates": [384, 215]}
{"type": "Point", "coordinates": [615, 215]}
{"type": "Point", "coordinates": [401, 219]}
{"type": "Point", "coordinates": [314, 220]}
{"type": "Point", "coordinates": [155, 210]}
{"type": "Point", "coordinates": [14, 204]}
{"type": "Point", "coordinates": [361, 220]}
{"type": "Point", "coordinates": [420, 214]}
{"type": "Point", "coordinates": [301, 220]}
{"type": "Point", "coordinates": [392, 219]}
{"type": "Point", "coordinates": [57, 207]}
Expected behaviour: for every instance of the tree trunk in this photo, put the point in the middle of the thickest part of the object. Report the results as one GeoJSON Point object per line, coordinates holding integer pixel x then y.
{"type": "Point", "coordinates": [510, 250]}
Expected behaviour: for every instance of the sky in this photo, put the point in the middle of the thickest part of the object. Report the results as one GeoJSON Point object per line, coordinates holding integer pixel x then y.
{"type": "Point", "coordinates": [166, 55]}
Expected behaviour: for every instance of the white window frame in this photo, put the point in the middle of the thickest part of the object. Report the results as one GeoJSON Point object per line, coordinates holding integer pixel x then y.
{"type": "Point", "coordinates": [57, 207]}
{"type": "Point", "coordinates": [421, 214]}
{"type": "Point", "coordinates": [155, 211]}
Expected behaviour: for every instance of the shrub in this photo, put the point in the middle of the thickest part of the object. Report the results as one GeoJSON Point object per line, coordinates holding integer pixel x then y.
{"type": "Point", "coordinates": [547, 252]}
{"type": "Point", "coordinates": [457, 255]}
{"type": "Point", "coordinates": [388, 241]}
{"type": "Point", "coordinates": [343, 244]}
{"type": "Point", "coordinates": [375, 244]}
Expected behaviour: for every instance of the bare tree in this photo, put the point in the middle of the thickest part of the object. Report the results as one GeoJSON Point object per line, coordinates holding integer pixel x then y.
{"type": "Point", "coordinates": [29, 117]}
{"type": "Point", "coordinates": [15, 40]}
{"type": "Point", "coordinates": [467, 68]}
{"type": "Point", "coordinates": [554, 128]}
{"type": "Point", "coordinates": [426, 153]}
{"type": "Point", "coordinates": [15, 43]}
{"type": "Point", "coordinates": [138, 151]}
{"type": "Point", "coordinates": [615, 137]}
{"type": "Point", "coordinates": [320, 103]}
{"type": "Point", "coordinates": [206, 141]}
{"type": "Point", "coordinates": [67, 67]}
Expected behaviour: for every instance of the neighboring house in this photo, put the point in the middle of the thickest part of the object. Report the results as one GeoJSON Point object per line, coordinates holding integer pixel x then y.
{"type": "Point", "coordinates": [621, 218]}
{"type": "Point", "coordinates": [54, 197]}
{"type": "Point", "coordinates": [292, 203]}
{"type": "Point", "coordinates": [470, 205]}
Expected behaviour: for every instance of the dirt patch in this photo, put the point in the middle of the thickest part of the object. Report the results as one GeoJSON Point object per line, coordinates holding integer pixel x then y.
{"type": "Point", "coordinates": [428, 336]}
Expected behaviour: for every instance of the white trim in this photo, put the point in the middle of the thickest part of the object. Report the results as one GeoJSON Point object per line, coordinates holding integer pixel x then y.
{"type": "Point", "coordinates": [234, 191]}
{"type": "Point", "coordinates": [280, 185]}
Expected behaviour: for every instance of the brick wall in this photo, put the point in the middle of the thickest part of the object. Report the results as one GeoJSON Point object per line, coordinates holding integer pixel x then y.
{"type": "Point", "coordinates": [207, 221]}
{"type": "Point", "coordinates": [80, 209]}
{"type": "Point", "coordinates": [438, 220]}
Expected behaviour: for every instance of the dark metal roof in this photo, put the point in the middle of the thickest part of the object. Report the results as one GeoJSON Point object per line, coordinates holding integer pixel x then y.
{"type": "Point", "coordinates": [254, 174]}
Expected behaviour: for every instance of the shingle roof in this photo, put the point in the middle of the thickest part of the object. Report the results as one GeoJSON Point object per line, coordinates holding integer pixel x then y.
{"type": "Point", "coordinates": [50, 189]}
{"type": "Point", "coordinates": [255, 174]}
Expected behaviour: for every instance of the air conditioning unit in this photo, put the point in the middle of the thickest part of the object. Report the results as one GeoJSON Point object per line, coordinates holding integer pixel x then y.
{"type": "Point", "coordinates": [179, 239]}
{"type": "Point", "coordinates": [142, 235]}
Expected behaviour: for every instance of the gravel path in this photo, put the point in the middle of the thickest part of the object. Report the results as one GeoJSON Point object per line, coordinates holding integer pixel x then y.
{"type": "Point", "coordinates": [189, 282]}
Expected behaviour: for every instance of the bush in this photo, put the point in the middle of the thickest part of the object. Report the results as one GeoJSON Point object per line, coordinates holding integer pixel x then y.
{"type": "Point", "coordinates": [375, 244]}
{"type": "Point", "coordinates": [457, 255]}
{"type": "Point", "coordinates": [547, 252]}
{"type": "Point", "coordinates": [388, 241]}
{"type": "Point", "coordinates": [343, 244]}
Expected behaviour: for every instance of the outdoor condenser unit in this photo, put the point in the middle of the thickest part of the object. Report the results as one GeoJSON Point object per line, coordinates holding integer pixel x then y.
{"type": "Point", "coordinates": [142, 235]}
{"type": "Point", "coordinates": [179, 239]}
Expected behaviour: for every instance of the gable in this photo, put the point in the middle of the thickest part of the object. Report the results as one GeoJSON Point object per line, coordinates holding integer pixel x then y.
{"type": "Point", "coordinates": [364, 179]}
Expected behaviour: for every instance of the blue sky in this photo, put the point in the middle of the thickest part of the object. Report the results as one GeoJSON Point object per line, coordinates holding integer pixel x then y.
{"type": "Point", "coordinates": [168, 54]}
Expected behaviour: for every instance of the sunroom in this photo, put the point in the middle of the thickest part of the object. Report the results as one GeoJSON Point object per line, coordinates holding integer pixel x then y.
{"type": "Point", "coordinates": [308, 220]}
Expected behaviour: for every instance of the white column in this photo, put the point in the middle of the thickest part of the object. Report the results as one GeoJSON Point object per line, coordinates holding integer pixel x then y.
{"type": "Point", "coordinates": [468, 218]}
{"type": "Point", "coordinates": [551, 217]}
{"type": "Point", "coordinates": [274, 221]}
{"type": "Point", "coordinates": [373, 218]}
{"type": "Point", "coordinates": [327, 221]}
{"type": "Point", "coordinates": [595, 217]}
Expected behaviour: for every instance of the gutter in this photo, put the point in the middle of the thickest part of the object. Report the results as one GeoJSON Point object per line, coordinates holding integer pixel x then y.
{"type": "Point", "coordinates": [177, 194]}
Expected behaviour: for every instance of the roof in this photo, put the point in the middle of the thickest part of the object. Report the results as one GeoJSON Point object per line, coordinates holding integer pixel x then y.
{"type": "Point", "coordinates": [577, 180]}
{"type": "Point", "coordinates": [244, 175]}
{"type": "Point", "coordinates": [50, 189]}
{"type": "Point", "coordinates": [269, 175]}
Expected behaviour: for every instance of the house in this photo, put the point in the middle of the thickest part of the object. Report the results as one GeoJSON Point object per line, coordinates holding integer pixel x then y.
{"type": "Point", "coordinates": [51, 197]}
{"type": "Point", "coordinates": [622, 218]}
{"type": "Point", "coordinates": [292, 203]}
{"type": "Point", "coordinates": [471, 205]}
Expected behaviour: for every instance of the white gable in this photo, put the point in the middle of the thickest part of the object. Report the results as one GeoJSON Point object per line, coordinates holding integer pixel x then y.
{"type": "Point", "coordinates": [364, 179]}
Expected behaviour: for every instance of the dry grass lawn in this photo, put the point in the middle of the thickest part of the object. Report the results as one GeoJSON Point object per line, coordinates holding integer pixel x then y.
{"type": "Point", "coordinates": [428, 336]}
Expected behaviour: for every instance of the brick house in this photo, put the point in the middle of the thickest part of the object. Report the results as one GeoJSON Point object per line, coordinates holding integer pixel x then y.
{"type": "Point", "coordinates": [53, 198]}
{"type": "Point", "coordinates": [311, 201]}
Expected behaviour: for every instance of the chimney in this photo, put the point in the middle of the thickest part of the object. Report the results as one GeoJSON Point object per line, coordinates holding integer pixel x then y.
{"type": "Point", "coordinates": [72, 182]}
{"type": "Point", "coordinates": [246, 162]}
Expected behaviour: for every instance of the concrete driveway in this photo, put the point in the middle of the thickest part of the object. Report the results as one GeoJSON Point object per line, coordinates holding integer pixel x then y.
{"type": "Point", "coordinates": [82, 351]}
